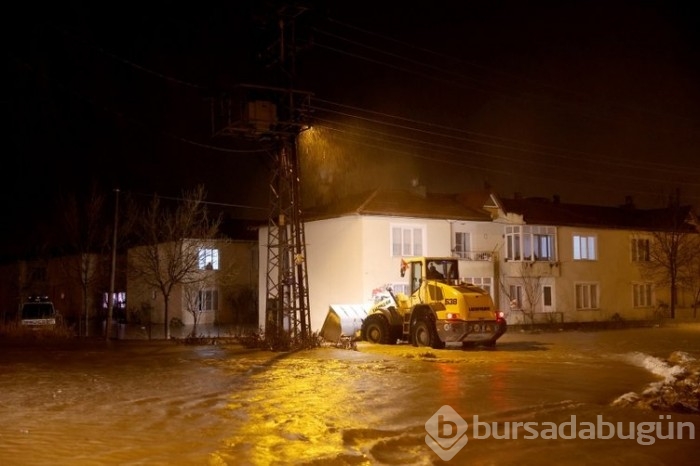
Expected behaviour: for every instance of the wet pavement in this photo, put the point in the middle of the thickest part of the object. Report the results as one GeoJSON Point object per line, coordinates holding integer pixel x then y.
{"type": "Point", "coordinates": [158, 402]}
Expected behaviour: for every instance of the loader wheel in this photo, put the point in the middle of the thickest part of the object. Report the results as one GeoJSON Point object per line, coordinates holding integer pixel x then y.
{"type": "Point", "coordinates": [376, 330]}
{"type": "Point", "coordinates": [424, 334]}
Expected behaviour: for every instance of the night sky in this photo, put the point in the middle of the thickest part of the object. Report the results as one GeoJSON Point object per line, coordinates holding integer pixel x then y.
{"type": "Point", "coordinates": [592, 101]}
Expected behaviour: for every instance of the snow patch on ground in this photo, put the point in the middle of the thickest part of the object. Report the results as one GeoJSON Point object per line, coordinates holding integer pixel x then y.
{"type": "Point", "coordinates": [678, 389]}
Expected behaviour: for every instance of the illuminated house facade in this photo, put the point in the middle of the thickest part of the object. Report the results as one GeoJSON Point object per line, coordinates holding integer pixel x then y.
{"type": "Point", "coordinates": [541, 260]}
{"type": "Point", "coordinates": [218, 289]}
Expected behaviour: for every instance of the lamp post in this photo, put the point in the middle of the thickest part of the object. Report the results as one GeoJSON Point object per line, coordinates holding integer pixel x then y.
{"type": "Point", "coordinates": [110, 305]}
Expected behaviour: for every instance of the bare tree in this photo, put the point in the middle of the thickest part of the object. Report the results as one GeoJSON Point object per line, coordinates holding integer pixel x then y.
{"type": "Point", "coordinates": [673, 251]}
{"type": "Point", "coordinates": [193, 297]}
{"type": "Point", "coordinates": [169, 242]}
{"type": "Point", "coordinates": [689, 271]}
{"type": "Point", "coordinates": [86, 238]}
{"type": "Point", "coordinates": [524, 291]}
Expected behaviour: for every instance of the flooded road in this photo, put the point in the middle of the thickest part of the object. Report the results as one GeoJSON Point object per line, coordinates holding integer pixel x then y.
{"type": "Point", "coordinates": [153, 403]}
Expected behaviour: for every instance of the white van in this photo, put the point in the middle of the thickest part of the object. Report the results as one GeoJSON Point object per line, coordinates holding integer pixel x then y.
{"type": "Point", "coordinates": [38, 313]}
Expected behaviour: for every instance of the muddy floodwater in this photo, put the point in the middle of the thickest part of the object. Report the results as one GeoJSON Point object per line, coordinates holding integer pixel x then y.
{"type": "Point", "coordinates": [569, 397]}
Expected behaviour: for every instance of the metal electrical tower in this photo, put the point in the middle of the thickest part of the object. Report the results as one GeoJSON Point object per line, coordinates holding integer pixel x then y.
{"type": "Point", "coordinates": [287, 306]}
{"type": "Point", "coordinates": [276, 116]}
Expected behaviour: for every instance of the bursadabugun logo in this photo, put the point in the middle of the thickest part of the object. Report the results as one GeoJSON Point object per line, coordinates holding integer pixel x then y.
{"type": "Point", "coordinates": [447, 432]}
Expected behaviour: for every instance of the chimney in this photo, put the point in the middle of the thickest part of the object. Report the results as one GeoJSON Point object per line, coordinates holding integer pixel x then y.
{"type": "Point", "coordinates": [556, 199]}
{"type": "Point", "coordinates": [417, 188]}
{"type": "Point", "coordinates": [629, 202]}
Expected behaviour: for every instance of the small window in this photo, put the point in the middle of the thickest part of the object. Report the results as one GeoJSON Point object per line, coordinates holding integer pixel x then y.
{"type": "Point", "coordinates": [462, 244]}
{"type": "Point", "coordinates": [209, 300]}
{"type": "Point", "coordinates": [640, 250]}
{"type": "Point", "coordinates": [119, 300]}
{"type": "Point", "coordinates": [642, 294]}
{"type": "Point", "coordinates": [516, 296]}
{"type": "Point", "coordinates": [482, 282]}
{"type": "Point", "coordinates": [586, 296]}
{"type": "Point", "coordinates": [547, 296]}
{"type": "Point", "coordinates": [208, 259]}
{"type": "Point", "coordinates": [400, 288]}
{"type": "Point", "coordinates": [584, 247]}
{"type": "Point", "coordinates": [407, 240]}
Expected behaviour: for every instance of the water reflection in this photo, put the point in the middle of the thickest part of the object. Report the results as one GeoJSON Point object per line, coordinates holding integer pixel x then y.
{"type": "Point", "coordinates": [161, 403]}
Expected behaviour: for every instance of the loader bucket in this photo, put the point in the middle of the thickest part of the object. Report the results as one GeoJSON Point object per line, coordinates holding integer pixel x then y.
{"type": "Point", "coordinates": [343, 320]}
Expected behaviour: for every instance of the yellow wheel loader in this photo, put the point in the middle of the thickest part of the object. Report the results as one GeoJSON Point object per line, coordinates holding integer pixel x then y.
{"type": "Point", "coordinates": [440, 309]}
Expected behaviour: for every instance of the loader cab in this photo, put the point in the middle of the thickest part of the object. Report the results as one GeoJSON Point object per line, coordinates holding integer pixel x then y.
{"type": "Point", "coordinates": [434, 269]}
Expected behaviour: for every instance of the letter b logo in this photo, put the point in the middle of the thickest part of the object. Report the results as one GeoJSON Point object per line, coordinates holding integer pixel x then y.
{"type": "Point", "coordinates": [446, 432]}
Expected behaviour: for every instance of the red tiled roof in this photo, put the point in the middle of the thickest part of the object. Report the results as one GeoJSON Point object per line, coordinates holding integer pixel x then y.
{"type": "Point", "coordinates": [545, 212]}
{"type": "Point", "coordinates": [401, 203]}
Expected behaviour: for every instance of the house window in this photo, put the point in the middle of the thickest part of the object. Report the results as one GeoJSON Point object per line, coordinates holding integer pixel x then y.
{"type": "Point", "coordinates": [462, 244]}
{"type": "Point", "coordinates": [400, 288]}
{"type": "Point", "coordinates": [513, 243]}
{"type": "Point", "coordinates": [407, 240]}
{"type": "Point", "coordinates": [208, 259]}
{"type": "Point", "coordinates": [119, 300]}
{"type": "Point", "coordinates": [208, 300]}
{"type": "Point", "coordinates": [584, 247]}
{"type": "Point", "coordinates": [642, 293]}
{"type": "Point", "coordinates": [536, 243]}
{"type": "Point", "coordinates": [516, 296]}
{"type": "Point", "coordinates": [543, 247]}
{"type": "Point", "coordinates": [586, 296]}
{"type": "Point", "coordinates": [640, 250]}
{"type": "Point", "coordinates": [482, 282]}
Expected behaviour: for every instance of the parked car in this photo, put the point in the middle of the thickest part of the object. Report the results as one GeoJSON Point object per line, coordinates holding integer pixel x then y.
{"type": "Point", "coordinates": [39, 313]}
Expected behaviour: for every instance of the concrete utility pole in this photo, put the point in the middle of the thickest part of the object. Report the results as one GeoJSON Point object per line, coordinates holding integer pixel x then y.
{"type": "Point", "coordinates": [278, 115]}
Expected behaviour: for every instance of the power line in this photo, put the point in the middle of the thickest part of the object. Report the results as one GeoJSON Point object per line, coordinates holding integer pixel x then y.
{"type": "Point", "coordinates": [414, 129]}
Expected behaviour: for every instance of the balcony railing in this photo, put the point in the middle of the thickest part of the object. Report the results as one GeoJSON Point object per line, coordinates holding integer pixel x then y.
{"type": "Point", "coordinates": [473, 255]}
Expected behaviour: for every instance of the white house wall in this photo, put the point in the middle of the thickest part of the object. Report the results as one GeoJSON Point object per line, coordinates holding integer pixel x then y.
{"type": "Point", "coordinates": [333, 262]}
{"type": "Point", "coordinates": [348, 257]}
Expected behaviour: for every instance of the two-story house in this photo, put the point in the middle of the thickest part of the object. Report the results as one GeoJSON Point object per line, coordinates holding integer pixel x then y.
{"type": "Point", "coordinates": [226, 299]}
{"type": "Point", "coordinates": [218, 289]}
{"type": "Point", "coordinates": [541, 260]}
{"type": "Point", "coordinates": [582, 263]}
{"type": "Point", "coordinates": [354, 247]}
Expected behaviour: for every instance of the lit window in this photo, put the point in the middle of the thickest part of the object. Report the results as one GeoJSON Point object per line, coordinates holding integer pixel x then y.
{"type": "Point", "coordinates": [516, 296]}
{"type": "Point", "coordinates": [530, 243]}
{"type": "Point", "coordinates": [586, 296]}
{"type": "Point", "coordinates": [462, 244]}
{"type": "Point", "coordinates": [407, 240]}
{"type": "Point", "coordinates": [208, 259]}
{"type": "Point", "coordinates": [584, 247]}
{"type": "Point", "coordinates": [642, 293]}
{"type": "Point", "coordinates": [119, 300]}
